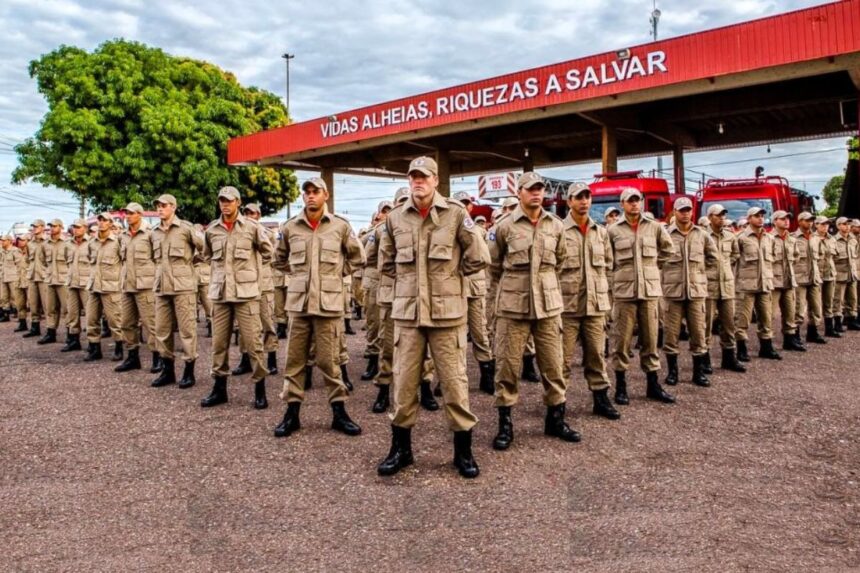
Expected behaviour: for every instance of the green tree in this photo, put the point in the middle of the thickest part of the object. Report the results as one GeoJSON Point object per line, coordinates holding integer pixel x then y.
{"type": "Point", "coordinates": [128, 122]}
{"type": "Point", "coordinates": [831, 193]}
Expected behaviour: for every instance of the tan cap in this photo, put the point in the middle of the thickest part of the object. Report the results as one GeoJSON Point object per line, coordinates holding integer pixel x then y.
{"type": "Point", "coordinates": [742, 222]}
{"type": "Point", "coordinates": [384, 205]}
{"type": "Point", "coordinates": [703, 222]}
{"type": "Point", "coordinates": [425, 165]}
{"type": "Point", "coordinates": [781, 215]}
{"type": "Point", "coordinates": [133, 208]}
{"type": "Point", "coordinates": [230, 193]}
{"type": "Point", "coordinates": [530, 179]}
{"type": "Point", "coordinates": [729, 223]}
{"type": "Point", "coordinates": [630, 192]}
{"type": "Point", "coordinates": [509, 202]}
{"type": "Point", "coordinates": [6, 238]}
{"type": "Point", "coordinates": [57, 222]}
{"type": "Point", "coordinates": [855, 222]}
{"type": "Point", "coordinates": [316, 182]}
{"type": "Point", "coordinates": [401, 195]}
{"type": "Point", "coordinates": [609, 210]}
{"type": "Point", "coordinates": [38, 223]}
{"type": "Point", "coordinates": [682, 203]}
{"type": "Point", "coordinates": [252, 207]}
{"type": "Point", "coordinates": [755, 211]}
{"type": "Point", "coordinates": [805, 216]}
{"type": "Point", "coordinates": [462, 196]}
{"type": "Point", "coordinates": [821, 219]}
{"type": "Point", "coordinates": [166, 199]}
{"type": "Point", "coordinates": [842, 220]}
{"type": "Point", "coordinates": [105, 216]}
{"type": "Point", "coordinates": [716, 209]}
{"type": "Point", "coordinates": [480, 219]}
{"type": "Point", "coordinates": [79, 223]}
{"type": "Point", "coordinates": [577, 189]}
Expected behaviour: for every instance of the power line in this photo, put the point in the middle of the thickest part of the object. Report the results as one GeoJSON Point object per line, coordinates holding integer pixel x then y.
{"type": "Point", "coordinates": [770, 157]}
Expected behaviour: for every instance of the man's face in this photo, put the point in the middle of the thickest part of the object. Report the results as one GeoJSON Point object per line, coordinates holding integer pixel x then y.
{"type": "Point", "coordinates": [580, 204]}
{"type": "Point", "coordinates": [165, 211]}
{"type": "Point", "coordinates": [633, 206]}
{"type": "Point", "coordinates": [133, 218]}
{"type": "Point", "coordinates": [684, 216]}
{"type": "Point", "coordinates": [781, 224]}
{"type": "Point", "coordinates": [38, 230]}
{"type": "Point", "coordinates": [843, 228]}
{"type": "Point", "coordinates": [56, 231]}
{"type": "Point", "coordinates": [383, 215]}
{"type": "Point", "coordinates": [855, 229]}
{"type": "Point", "coordinates": [482, 224]}
{"type": "Point", "coordinates": [79, 232]}
{"type": "Point", "coordinates": [756, 221]}
{"type": "Point", "coordinates": [822, 228]}
{"type": "Point", "coordinates": [5, 244]}
{"type": "Point", "coordinates": [251, 214]}
{"type": "Point", "coordinates": [804, 224]}
{"type": "Point", "coordinates": [314, 198]}
{"type": "Point", "coordinates": [22, 242]}
{"type": "Point", "coordinates": [105, 225]}
{"type": "Point", "coordinates": [718, 221]}
{"type": "Point", "coordinates": [611, 218]}
{"type": "Point", "coordinates": [229, 207]}
{"type": "Point", "coordinates": [533, 196]}
{"type": "Point", "coordinates": [422, 185]}
{"type": "Point", "coordinates": [468, 205]}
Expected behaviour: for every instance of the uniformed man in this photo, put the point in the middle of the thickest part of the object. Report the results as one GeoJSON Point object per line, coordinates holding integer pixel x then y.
{"type": "Point", "coordinates": [104, 289]}
{"type": "Point", "coordinates": [239, 250]}
{"type": "Point", "coordinates": [827, 267]}
{"type": "Point", "coordinates": [318, 249]}
{"type": "Point", "coordinates": [174, 244]}
{"type": "Point", "coordinates": [23, 244]}
{"type": "Point", "coordinates": [204, 272]}
{"type": "Point", "coordinates": [57, 275]}
{"type": "Point", "coordinates": [585, 291]}
{"type": "Point", "coordinates": [846, 272]}
{"type": "Point", "coordinates": [370, 285]}
{"type": "Point", "coordinates": [476, 293]}
{"type": "Point", "coordinates": [279, 279]}
{"type": "Point", "coordinates": [852, 320]}
{"type": "Point", "coordinates": [429, 244]}
{"type": "Point", "coordinates": [137, 300]}
{"type": "Point", "coordinates": [685, 290]}
{"type": "Point", "coordinates": [77, 294]}
{"type": "Point", "coordinates": [10, 291]}
{"type": "Point", "coordinates": [754, 285]}
{"type": "Point", "coordinates": [809, 251]}
{"type": "Point", "coordinates": [784, 281]}
{"type": "Point", "coordinates": [37, 273]}
{"type": "Point", "coordinates": [610, 216]}
{"type": "Point", "coordinates": [481, 221]}
{"type": "Point", "coordinates": [721, 290]}
{"type": "Point", "coordinates": [640, 246]}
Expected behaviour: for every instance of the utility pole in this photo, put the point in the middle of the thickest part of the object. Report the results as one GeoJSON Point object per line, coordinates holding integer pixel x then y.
{"type": "Point", "coordinates": [287, 57]}
{"type": "Point", "coordinates": [655, 19]}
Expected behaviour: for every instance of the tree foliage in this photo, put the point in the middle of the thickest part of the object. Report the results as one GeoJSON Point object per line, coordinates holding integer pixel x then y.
{"type": "Point", "coordinates": [831, 193]}
{"type": "Point", "coordinates": [128, 122]}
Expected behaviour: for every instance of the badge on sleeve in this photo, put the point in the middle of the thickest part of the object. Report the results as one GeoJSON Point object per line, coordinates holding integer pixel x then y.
{"type": "Point", "coordinates": [371, 238]}
{"type": "Point", "coordinates": [491, 236]}
{"type": "Point", "coordinates": [468, 223]}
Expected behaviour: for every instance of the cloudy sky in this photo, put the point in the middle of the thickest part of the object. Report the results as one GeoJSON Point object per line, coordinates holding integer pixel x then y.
{"type": "Point", "coordinates": [350, 54]}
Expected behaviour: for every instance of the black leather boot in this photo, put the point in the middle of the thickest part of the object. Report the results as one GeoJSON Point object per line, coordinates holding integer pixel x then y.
{"type": "Point", "coordinates": [260, 402]}
{"type": "Point", "coordinates": [743, 352]}
{"type": "Point", "coordinates": [837, 324]}
{"type": "Point", "coordinates": [730, 361]}
{"type": "Point", "coordinates": [463, 459]}
{"type": "Point", "coordinates": [348, 326]}
{"type": "Point", "coordinates": [655, 391]}
{"type": "Point", "coordinates": [829, 328]}
{"type": "Point", "coordinates": [208, 328]}
{"type": "Point", "coordinates": [554, 425]}
{"type": "Point", "coordinates": [505, 437]}
{"type": "Point", "coordinates": [73, 342]}
{"type": "Point", "coordinates": [167, 374]}
{"type": "Point", "coordinates": [272, 363]}
{"type": "Point", "coordinates": [282, 331]}
{"type": "Point", "coordinates": [766, 350]}
{"type": "Point", "coordinates": [487, 384]}
{"type": "Point", "coordinates": [707, 368]}
{"type": "Point", "coordinates": [156, 363]}
{"type": "Point", "coordinates": [672, 367]}
{"type": "Point", "coordinates": [699, 377]}
{"type": "Point", "coordinates": [851, 323]}
{"type": "Point", "coordinates": [372, 367]}
{"type": "Point", "coordinates": [4, 316]}
{"type": "Point", "coordinates": [792, 342]}
{"type": "Point", "coordinates": [22, 325]}
{"type": "Point", "coordinates": [383, 400]}
{"type": "Point", "coordinates": [117, 351]}
{"type": "Point", "coordinates": [218, 395]}
{"type": "Point", "coordinates": [291, 422]}
{"type": "Point", "coordinates": [131, 362]}
{"type": "Point", "coordinates": [244, 366]}
{"type": "Point", "coordinates": [341, 421]}
{"type": "Point", "coordinates": [529, 373]}
{"type": "Point", "coordinates": [35, 330]}
{"type": "Point", "coordinates": [813, 336]}
{"type": "Point", "coordinates": [105, 328]}
{"type": "Point", "coordinates": [602, 406]}
{"type": "Point", "coordinates": [344, 375]}
{"type": "Point", "coordinates": [188, 379]}
{"type": "Point", "coordinates": [428, 402]}
{"type": "Point", "coordinates": [50, 336]}
{"type": "Point", "coordinates": [400, 454]}
{"type": "Point", "coordinates": [621, 397]}
{"type": "Point", "coordinates": [94, 352]}
{"type": "Point", "coordinates": [309, 377]}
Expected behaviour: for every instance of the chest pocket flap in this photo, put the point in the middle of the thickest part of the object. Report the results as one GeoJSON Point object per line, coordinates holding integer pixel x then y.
{"type": "Point", "coordinates": [441, 245]}
{"type": "Point", "coordinates": [405, 247]}
{"type": "Point", "coordinates": [329, 251]}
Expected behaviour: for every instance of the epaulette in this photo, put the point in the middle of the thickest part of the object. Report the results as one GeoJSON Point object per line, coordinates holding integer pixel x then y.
{"type": "Point", "coordinates": [451, 201]}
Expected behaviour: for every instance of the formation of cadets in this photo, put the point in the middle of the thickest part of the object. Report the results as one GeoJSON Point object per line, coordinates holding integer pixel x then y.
{"type": "Point", "coordinates": [524, 292]}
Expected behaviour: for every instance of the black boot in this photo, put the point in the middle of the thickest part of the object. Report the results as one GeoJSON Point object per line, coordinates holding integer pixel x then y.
{"type": "Point", "coordinates": [851, 323]}
{"type": "Point", "coordinates": [218, 395]}
{"type": "Point", "coordinates": [400, 454]}
{"type": "Point", "coordinates": [132, 361]}
{"type": "Point", "coordinates": [117, 351]}
{"type": "Point", "coordinates": [463, 459]}
{"type": "Point", "coordinates": [383, 400]}
{"type": "Point", "coordinates": [22, 325]}
{"type": "Point", "coordinates": [699, 377]}
{"type": "Point", "coordinates": [35, 330]}
{"type": "Point", "coordinates": [529, 374]}
{"type": "Point", "coordinates": [792, 342]}
{"type": "Point", "coordinates": [105, 328]}
{"type": "Point", "coordinates": [731, 362]}
{"type": "Point", "coordinates": [672, 367]}
{"type": "Point", "coordinates": [188, 379]}
{"type": "Point", "coordinates": [167, 374]}
{"type": "Point", "coordinates": [208, 328]}
{"type": "Point", "coordinates": [344, 375]}
{"type": "Point", "coordinates": [707, 368]}
{"type": "Point", "coordinates": [743, 353]}
{"type": "Point", "coordinates": [309, 377]}
{"type": "Point", "coordinates": [813, 336]}
{"type": "Point", "coordinates": [156, 363]}
{"type": "Point", "coordinates": [372, 367]}
{"type": "Point", "coordinates": [837, 324]}
{"type": "Point", "coordinates": [554, 425]}
{"type": "Point", "coordinates": [487, 385]}
{"type": "Point", "coordinates": [272, 363]}
{"type": "Point", "coordinates": [94, 352]}
{"type": "Point", "coordinates": [244, 366]}
{"type": "Point", "coordinates": [766, 350]}
{"type": "Point", "coordinates": [348, 327]}
{"type": "Point", "coordinates": [503, 439]}
{"type": "Point", "coordinates": [291, 422]}
{"type": "Point", "coordinates": [282, 331]}
{"type": "Point", "coordinates": [341, 421]}
{"type": "Point", "coordinates": [602, 406]}
{"type": "Point", "coordinates": [829, 328]}
{"type": "Point", "coordinates": [621, 397]}
{"type": "Point", "coordinates": [428, 402]}
{"type": "Point", "coordinates": [50, 336]}
{"type": "Point", "coordinates": [4, 316]}
{"type": "Point", "coordinates": [73, 342]}
{"type": "Point", "coordinates": [655, 391]}
{"type": "Point", "coordinates": [437, 390]}
{"type": "Point", "coordinates": [260, 402]}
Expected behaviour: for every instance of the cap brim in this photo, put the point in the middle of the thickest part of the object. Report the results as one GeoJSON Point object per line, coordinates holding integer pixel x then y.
{"type": "Point", "coordinates": [422, 170]}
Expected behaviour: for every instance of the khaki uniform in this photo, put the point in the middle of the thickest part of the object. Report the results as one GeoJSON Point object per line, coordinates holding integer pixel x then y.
{"type": "Point", "coordinates": [809, 251]}
{"type": "Point", "coordinates": [585, 294]}
{"type": "Point", "coordinates": [827, 267]}
{"type": "Point", "coordinates": [428, 258]}
{"type": "Point", "coordinates": [638, 255]}
{"type": "Point", "coordinates": [526, 259]}
{"type": "Point", "coordinates": [204, 273]}
{"type": "Point", "coordinates": [239, 259]}
{"type": "Point", "coordinates": [754, 283]}
{"type": "Point", "coordinates": [104, 286]}
{"type": "Point", "coordinates": [476, 293]}
{"type": "Point", "coordinates": [24, 280]}
{"type": "Point", "coordinates": [721, 288]}
{"type": "Point", "coordinates": [173, 249]}
{"type": "Point", "coordinates": [784, 281]}
{"type": "Point", "coordinates": [138, 277]}
{"type": "Point", "coordinates": [844, 259]}
{"type": "Point", "coordinates": [267, 296]}
{"type": "Point", "coordinates": [317, 260]}
{"type": "Point", "coordinates": [10, 289]}
{"type": "Point", "coordinates": [279, 280]}
{"type": "Point", "coordinates": [77, 294]}
{"type": "Point", "coordinates": [685, 287]}
{"type": "Point", "coordinates": [37, 273]}
{"type": "Point", "coordinates": [56, 257]}
{"type": "Point", "coordinates": [851, 294]}
{"type": "Point", "coordinates": [370, 285]}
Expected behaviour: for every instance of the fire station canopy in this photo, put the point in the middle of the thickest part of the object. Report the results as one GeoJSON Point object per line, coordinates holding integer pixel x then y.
{"type": "Point", "coordinates": [788, 77]}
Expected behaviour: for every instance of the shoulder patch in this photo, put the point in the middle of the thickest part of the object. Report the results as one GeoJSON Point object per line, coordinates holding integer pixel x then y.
{"type": "Point", "coordinates": [371, 238]}
{"type": "Point", "coordinates": [491, 236]}
{"type": "Point", "coordinates": [468, 222]}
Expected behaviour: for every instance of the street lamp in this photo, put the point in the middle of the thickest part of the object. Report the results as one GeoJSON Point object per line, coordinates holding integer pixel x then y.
{"type": "Point", "coordinates": [287, 57]}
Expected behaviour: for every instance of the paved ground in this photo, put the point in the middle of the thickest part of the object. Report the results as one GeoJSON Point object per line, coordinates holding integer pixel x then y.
{"type": "Point", "coordinates": [99, 472]}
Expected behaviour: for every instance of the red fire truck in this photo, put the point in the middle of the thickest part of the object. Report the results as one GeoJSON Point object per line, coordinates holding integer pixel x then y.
{"type": "Point", "coordinates": [607, 187]}
{"type": "Point", "coordinates": [772, 193]}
